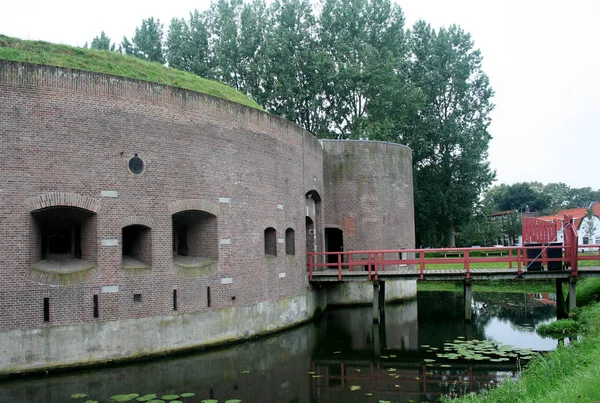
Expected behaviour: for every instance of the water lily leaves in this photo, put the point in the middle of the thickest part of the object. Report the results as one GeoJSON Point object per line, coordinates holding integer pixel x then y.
{"type": "Point", "coordinates": [170, 397]}
{"type": "Point", "coordinates": [385, 401]}
{"type": "Point", "coordinates": [317, 376]}
{"type": "Point", "coordinates": [245, 372]}
{"type": "Point", "coordinates": [233, 401]}
{"type": "Point", "coordinates": [187, 394]}
{"type": "Point", "coordinates": [146, 398]}
{"type": "Point", "coordinates": [124, 398]}
{"type": "Point", "coordinates": [357, 369]}
{"type": "Point", "coordinates": [91, 401]}
{"type": "Point", "coordinates": [355, 387]}
{"type": "Point", "coordinates": [392, 369]}
{"type": "Point", "coordinates": [368, 394]}
{"type": "Point", "coordinates": [210, 401]}
{"type": "Point", "coordinates": [78, 395]}
{"type": "Point", "coordinates": [446, 366]}
{"type": "Point", "coordinates": [428, 360]}
{"type": "Point", "coordinates": [156, 401]}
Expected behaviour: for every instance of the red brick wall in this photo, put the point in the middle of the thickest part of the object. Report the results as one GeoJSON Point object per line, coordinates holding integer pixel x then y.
{"type": "Point", "coordinates": [369, 193]}
{"type": "Point", "coordinates": [74, 132]}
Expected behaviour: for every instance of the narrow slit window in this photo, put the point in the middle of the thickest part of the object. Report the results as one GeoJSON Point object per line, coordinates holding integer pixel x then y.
{"type": "Point", "coordinates": [95, 306]}
{"type": "Point", "coordinates": [174, 300]}
{"type": "Point", "coordinates": [46, 309]}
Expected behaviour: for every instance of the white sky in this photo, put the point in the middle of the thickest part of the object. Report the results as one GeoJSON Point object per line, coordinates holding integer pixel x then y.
{"type": "Point", "coordinates": [542, 57]}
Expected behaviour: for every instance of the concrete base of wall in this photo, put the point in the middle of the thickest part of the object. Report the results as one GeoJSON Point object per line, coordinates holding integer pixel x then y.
{"type": "Point", "coordinates": [349, 293]}
{"type": "Point", "coordinates": [52, 347]}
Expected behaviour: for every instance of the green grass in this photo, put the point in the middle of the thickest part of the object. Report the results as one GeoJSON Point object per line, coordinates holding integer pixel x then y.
{"type": "Point", "coordinates": [114, 63]}
{"type": "Point", "coordinates": [520, 286]}
{"type": "Point", "coordinates": [568, 374]}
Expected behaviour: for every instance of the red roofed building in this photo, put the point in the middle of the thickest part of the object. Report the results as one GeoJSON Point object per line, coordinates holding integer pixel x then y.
{"type": "Point", "coordinates": [580, 220]}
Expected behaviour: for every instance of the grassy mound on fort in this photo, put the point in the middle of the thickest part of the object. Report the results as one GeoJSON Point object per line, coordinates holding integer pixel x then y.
{"type": "Point", "coordinates": [102, 61]}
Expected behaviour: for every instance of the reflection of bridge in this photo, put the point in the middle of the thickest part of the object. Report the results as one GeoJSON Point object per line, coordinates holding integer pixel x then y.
{"type": "Point", "coordinates": [388, 378]}
{"type": "Point", "coordinates": [524, 262]}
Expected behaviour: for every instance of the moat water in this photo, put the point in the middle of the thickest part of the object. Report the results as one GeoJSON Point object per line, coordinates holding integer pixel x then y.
{"type": "Point", "coordinates": [342, 357]}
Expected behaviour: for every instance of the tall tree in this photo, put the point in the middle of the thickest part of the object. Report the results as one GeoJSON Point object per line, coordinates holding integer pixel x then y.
{"type": "Point", "coordinates": [147, 41]}
{"type": "Point", "coordinates": [518, 196]}
{"type": "Point", "coordinates": [102, 42]}
{"type": "Point", "coordinates": [365, 42]}
{"type": "Point", "coordinates": [451, 136]}
{"type": "Point", "coordinates": [223, 19]}
{"type": "Point", "coordinates": [187, 45]}
{"type": "Point", "coordinates": [294, 87]}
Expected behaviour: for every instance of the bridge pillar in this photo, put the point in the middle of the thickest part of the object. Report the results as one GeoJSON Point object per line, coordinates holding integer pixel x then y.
{"type": "Point", "coordinates": [572, 293]}
{"type": "Point", "coordinates": [378, 300]}
{"type": "Point", "coordinates": [561, 312]}
{"type": "Point", "coordinates": [468, 313]}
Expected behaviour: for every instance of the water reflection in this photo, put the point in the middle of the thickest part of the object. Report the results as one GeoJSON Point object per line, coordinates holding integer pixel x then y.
{"type": "Point", "coordinates": [323, 361]}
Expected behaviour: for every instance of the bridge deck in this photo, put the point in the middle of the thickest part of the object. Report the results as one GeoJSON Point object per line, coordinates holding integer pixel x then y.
{"type": "Point", "coordinates": [450, 274]}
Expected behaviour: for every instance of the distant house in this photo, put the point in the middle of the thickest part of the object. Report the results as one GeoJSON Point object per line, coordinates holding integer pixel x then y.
{"type": "Point", "coordinates": [580, 222]}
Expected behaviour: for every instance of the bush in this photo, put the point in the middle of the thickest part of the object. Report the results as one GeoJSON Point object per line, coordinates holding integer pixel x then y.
{"type": "Point", "coordinates": [560, 329]}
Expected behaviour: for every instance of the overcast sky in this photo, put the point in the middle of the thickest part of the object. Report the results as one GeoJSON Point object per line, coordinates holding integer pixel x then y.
{"type": "Point", "coordinates": [542, 57]}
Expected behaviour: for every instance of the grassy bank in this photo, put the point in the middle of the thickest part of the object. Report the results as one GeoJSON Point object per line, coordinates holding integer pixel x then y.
{"type": "Point", "coordinates": [568, 374]}
{"type": "Point", "coordinates": [103, 61]}
{"type": "Point", "coordinates": [528, 286]}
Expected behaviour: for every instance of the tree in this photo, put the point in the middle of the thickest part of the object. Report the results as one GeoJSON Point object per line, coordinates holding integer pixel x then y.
{"type": "Point", "coordinates": [518, 196]}
{"type": "Point", "coordinates": [102, 42]}
{"type": "Point", "coordinates": [449, 135]}
{"type": "Point", "coordinates": [365, 43]}
{"type": "Point", "coordinates": [147, 41]}
{"type": "Point", "coordinates": [589, 227]}
{"type": "Point", "coordinates": [187, 45]}
{"type": "Point", "coordinates": [294, 85]}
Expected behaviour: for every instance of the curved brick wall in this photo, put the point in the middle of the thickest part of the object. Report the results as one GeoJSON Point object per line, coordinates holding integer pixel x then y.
{"type": "Point", "coordinates": [67, 137]}
{"type": "Point", "coordinates": [369, 193]}
{"type": "Point", "coordinates": [221, 171]}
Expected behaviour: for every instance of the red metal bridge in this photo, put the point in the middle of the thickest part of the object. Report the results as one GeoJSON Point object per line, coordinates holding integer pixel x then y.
{"type": "Point", "coordinates": [541, 258]}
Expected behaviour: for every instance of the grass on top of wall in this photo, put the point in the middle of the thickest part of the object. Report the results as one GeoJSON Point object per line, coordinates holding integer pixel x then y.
{"type": "Point", "coordinates": [103, 61]}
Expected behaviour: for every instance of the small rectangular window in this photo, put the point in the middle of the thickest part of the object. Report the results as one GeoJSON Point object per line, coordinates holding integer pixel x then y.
{"type": "Point", "coordinates": [174, 300]}
{"type": "Point", "coordinates": [137, 297]}
{"type": "Point", "coordinates": [95, 306]}
{"type": "Point", "coordinates": [46, 309]}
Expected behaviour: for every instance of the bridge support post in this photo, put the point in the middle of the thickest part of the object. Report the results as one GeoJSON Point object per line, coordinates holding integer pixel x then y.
{"type": "Point", "coordinates": [378, 300]}
{"type": "Point", "coordinates": [468, 313]}
{"type": "Point", "coordinates": [561, 312]}
{"type": "Point", "coordinates": [572, 294]}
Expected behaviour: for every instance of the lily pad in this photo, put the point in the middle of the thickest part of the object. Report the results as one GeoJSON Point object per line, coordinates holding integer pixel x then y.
{"type": "Point", "coordinates": [187, 394]}
{"type": "Point", "coordinates": [170, 397]}
{"type": "Point", "coordinates": [428, 360]}
{"type": "Point", "coordinates": [233, 401]}
{"type": "Point", "coordinates": [91, 401]}
{"type": "Point", "coordinates": [146, 398]}
{"type": "Point", "coordinates": [210, 401]}
{"type": "Point", "coordinates": [355, 387]}
{"type": "Point", "coordinates": [78, 395]}
{"type": "Point", "coordinates": [124, 398]}
{"type": "Point", "coordinates": [156, 401]}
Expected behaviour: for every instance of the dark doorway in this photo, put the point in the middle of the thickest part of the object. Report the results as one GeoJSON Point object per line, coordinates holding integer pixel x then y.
{"type": "Point", "coordinates": [334, 242]}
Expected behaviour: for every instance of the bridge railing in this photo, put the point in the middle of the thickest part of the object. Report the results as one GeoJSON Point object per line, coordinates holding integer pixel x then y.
{"type": "Point", "coordinates": [525, 258]}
